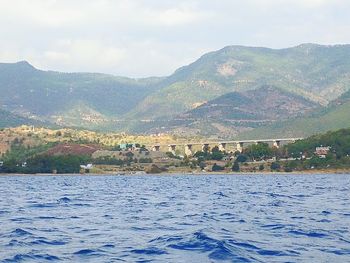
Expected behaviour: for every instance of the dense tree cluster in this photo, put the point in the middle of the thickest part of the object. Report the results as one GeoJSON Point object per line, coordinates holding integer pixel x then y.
{"type": "Point", "coordinates": [46, 164]}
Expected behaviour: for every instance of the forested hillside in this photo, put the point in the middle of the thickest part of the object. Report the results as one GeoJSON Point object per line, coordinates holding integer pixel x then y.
{"type": "Point", "coordinates": [220, 94]}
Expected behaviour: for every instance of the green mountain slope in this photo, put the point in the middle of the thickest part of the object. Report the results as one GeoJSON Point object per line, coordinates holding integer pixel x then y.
{"type": "Point", "coordinates": [50, 95]}
{"type": "Point", "coordinates": [266, 103]}
{"type": "Point", "coordinates": [333, 117]}
{"type": "Point", "coordinates": [181, 101]}
{"type": "Point", "coordinates": [8, 119]}
{"type": "Point", "coordinates": [237, 112]}
{"type": "Point", "coordinates": [319, 73]}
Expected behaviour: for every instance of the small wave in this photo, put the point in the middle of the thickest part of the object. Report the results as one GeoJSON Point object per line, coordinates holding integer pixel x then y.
{"type": "Point", "coordinates": [264, 252]}
{"type": "Point", "coordinates": [300, 196]}
{"type": "Point", "coordinates": [49, 217]}
{"type": "Point", "coordinates": [274, 195]}
{"type": "Point", "coordinates": [46, 242]}
{"type": "Point", "coordinates": [21, 219]}
{"type": "Point", "coordinates": [108, 246]}
{"type": "Point", "coordinates": [31, 256]}
{"type": "Point", "coordinates": [81, 205]}
{"type": "Point", "coordinates": [15, 243]}
{"type": "Point", "coordinates": [64, 200]}
{"type": "Point", "coordinates": [162, 204]}
{"type": "Point", "coordinates": [46, 205]}
{"type": "Point", "coordinates": [166, 239]}
{"type": "Point", "coordinates": [274, 226]}
{"type": "Point", "coordinates": [149, 251]}
{"type": "Point", "coordinates": [84, 252]}
{"type": "Point", "coordinates": [88, 252]}
{"type": "Point", "coordinates": [244, 245]}
{"type": "Point", "coordinates": [136, 228]}
{"type": "Point", "coordinates": [217, 249]}
{"type": "Point", "coordinates": [4, 212]}
{"type": "Point", "coordinates": [324, 221]}
{"type": "Point", "coordinates": [220, 194]}
{"type": "Point", "coordinates": [308, 234]}
{"type": "Point", "coordinates": [20, 232]}
{"type": "Point", "coordinates": [297, 217]}
{"type": "Point", "coordinates": [338, 252]}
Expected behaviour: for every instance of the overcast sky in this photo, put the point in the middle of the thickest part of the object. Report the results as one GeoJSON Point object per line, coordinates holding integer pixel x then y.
{"type": "Point", "coordinates": [139, 38]}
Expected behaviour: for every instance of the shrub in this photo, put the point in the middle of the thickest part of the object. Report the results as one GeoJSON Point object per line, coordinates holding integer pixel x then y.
{"type": "Point", "coordinates": [235, 167]}
{"type": "Point", "coordinates": [216, 168]}
{"type": "Point", "coordinates": [275, 166]}
{"type": "Point", "coordinates": [241, 158]}
{"type": "Point", "coordinates": [261, 167]}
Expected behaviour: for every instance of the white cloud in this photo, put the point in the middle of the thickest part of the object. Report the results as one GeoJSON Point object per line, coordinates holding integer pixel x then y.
{"type": "Point", "coordinates": [82, 55]}
{"type": "Point", "coordinates": [151, 37]}
{"type": "Point", "coordinates": [46, 13]}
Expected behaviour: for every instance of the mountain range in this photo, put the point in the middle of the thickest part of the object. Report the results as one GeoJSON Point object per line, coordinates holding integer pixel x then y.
{"type": "Point", "coordinates": [233, 92]}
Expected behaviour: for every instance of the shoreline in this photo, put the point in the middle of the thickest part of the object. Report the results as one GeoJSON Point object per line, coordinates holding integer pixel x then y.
{"type": "Point", "coordinates": [296, 173]}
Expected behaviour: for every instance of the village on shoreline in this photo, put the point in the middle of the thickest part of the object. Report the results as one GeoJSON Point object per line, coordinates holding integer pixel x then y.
{"type": "Point", "coordinates": [28, 150]}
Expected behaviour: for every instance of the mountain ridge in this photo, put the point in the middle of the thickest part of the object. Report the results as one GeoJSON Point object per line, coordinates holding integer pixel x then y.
{"type": "Point", "coordinates": [334, 116]}
{"type": "Point", "coordinates": [318, 73]}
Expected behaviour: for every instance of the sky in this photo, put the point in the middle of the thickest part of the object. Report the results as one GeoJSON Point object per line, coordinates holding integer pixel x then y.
{"type": "Point", "coordinates": [141, 38]}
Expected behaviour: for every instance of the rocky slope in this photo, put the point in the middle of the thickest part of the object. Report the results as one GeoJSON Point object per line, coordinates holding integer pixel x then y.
{"type": "Point", "coordinates": [236, 112]}
{"type": "Point", "coordinates": [335, 116]}
{"type": "Point", "coordinates": [319, 73]}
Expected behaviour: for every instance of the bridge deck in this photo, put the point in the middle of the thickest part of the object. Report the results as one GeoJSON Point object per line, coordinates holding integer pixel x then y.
{"type": "Point", "coordinates": [229, 142]}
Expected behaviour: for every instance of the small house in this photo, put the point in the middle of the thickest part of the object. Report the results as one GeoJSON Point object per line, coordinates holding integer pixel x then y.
{"type": "Point", "coordinates": [322, 151]}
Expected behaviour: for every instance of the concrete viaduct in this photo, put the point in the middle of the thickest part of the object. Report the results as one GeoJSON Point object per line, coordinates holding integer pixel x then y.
{"type": "Point", "coordinates": [221, 144]}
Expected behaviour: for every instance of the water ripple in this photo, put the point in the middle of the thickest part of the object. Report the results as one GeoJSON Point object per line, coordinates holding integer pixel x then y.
{"type": "Point", "coordinates": [216, 218]}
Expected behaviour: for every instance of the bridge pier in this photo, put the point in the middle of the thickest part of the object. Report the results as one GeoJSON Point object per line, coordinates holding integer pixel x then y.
{"type": "Point", "coordinates": [172, 148]}
{"type": "Point", "coordinates": [205, 147]}
{"type": "Point", "coordinates": [222, 146]}
{"type": "Point", "coordinates": [239, 147]}
{"type": "Point", "coordinates": [276, 144]}
{"type": "Point", "coordinates": [188, 150]}
{"type": "Point", "coordinates": [156, 148]}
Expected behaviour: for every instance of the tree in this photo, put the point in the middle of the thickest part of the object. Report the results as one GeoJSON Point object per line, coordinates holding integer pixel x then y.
{"type": "Point", "coordinates": [235, 167]}
{"type": "Point", "coordinates": [217, 155]}
{"type": "Point", "coordinates": [241, 158]}
{"type": "Point", "coordinates": [275, 166]}
{"type": "Point", "coordinates": [259, 151]}
{"type": "Point", "coordinates": [216, 168]}
{"type": "Point", "coordinates": [129, 154]}
{"type": "Point", "coordinates": [215, 149]}
{"type": "Point", "coordinates": [261, 167]}
{"type": "Point", "coordinates": [204, 155]}
{"type": "Point", "coordinates": [202, 165]}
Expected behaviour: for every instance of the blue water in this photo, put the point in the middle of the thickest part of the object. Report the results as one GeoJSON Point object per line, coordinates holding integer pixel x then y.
{"type": "Point", "coordinates": [209, 218]}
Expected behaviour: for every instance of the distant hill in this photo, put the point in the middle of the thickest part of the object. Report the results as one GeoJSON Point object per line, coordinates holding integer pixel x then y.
{"type": "Point", "coordinates": [318, 73]}
{"type": "Point", "coordinates": [8, 119]}
{"type": "Point", "coordinates": [220, 94]}
{"type": "Point", "coordinates": [68, 98]}
{"type": "Point", "coordinates": [235, 112]}
{"type": "Point", "coordinates": [333, 117]}
{"type": "Point", "coordinates": [266, 103]}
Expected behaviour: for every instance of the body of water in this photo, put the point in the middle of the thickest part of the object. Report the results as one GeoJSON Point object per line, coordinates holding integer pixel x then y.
{"type": "Point", "coordinates": [184, 218]}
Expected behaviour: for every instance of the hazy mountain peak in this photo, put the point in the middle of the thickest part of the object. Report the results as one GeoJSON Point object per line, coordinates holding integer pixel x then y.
{"type": "Point", "coordinates": [18, 66]}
